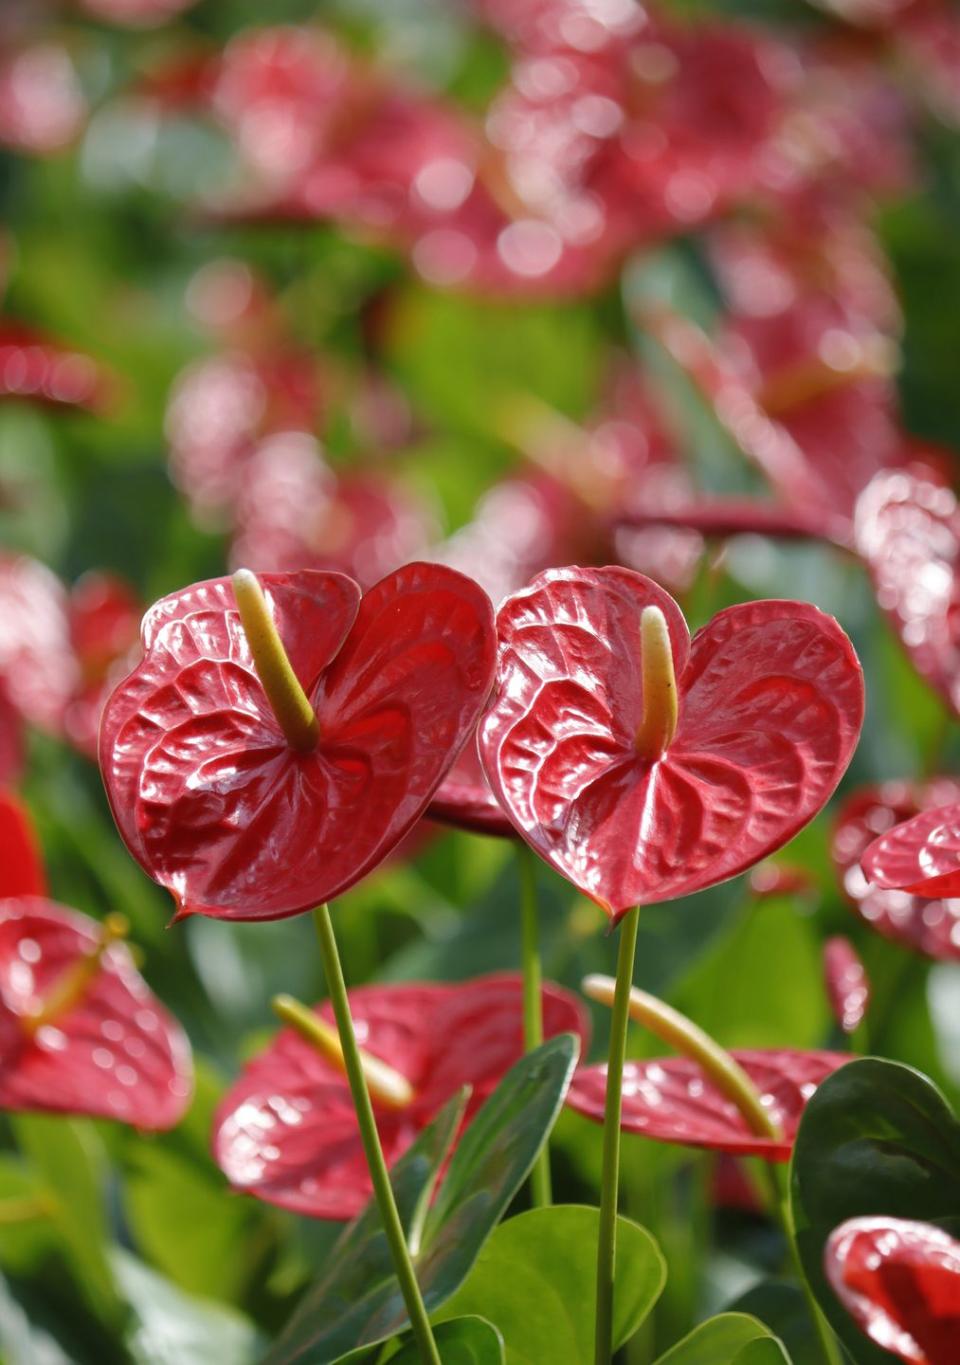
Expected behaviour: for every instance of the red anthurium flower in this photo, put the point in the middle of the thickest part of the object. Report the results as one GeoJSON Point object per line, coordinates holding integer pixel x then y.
{"type": "Point", "coordinates": [80, 1032]}
{"type": "Point", "coordinates": [928, 922]}
{"type": "Point", "coordinates": [218, 804]}
{"type": "Point", "coordinates": [645, 766]}
{"type": "Point", "coordinates": [900, 1280]}
{"type": "Point", "coordinates": [846, 980]}
{"type": "Point", "coordinates": [921, 856]}
{"type": "Point", "coordinates": [287, 1131]}
{"type": "Point", "coordinates": [21, 869]}
{"type": "Point", "coordinates": [908, 531]}
{"type": "Point", "coordinates": [672, 1100]}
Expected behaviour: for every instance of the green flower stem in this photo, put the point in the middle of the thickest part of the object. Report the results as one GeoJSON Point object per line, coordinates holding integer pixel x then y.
{"type": "Point", "coordinates": [780, 1208]}
{"type": "Point", "coordinates": [610, 1179]}
{"type": "Point", "coordinates": [540, 1184]}
{"type": "Point", "coordinates": [383, 1191]}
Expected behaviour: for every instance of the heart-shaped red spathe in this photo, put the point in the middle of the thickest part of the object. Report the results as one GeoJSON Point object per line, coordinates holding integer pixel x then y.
{"type": "Point", "coordinates": [672, 1100]}
{"type": "Point", "coordinates": [928, 923]}
{"type": "Point", "coordinates": [115, 1054]}
{"type": "Point", "coordinates": [900, 1280]}
{"type": "Point", "coordinates": [287, 1131]}
{"type": "Point", "coordinates": [207, 793]}
{"type": "Point", "coordinates": [770, 708]}
{"type": "Point", "coordinates": [921, 856]}
{"type": "Point", "coordinates": [908, 530]}
{"type": "Point", "coordinates": [21, 867]}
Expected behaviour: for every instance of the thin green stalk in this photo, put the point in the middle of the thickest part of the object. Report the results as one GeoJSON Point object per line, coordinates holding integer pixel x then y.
{"type": "Point", "coordinates": [610, 1179]}
{"type": "Point", "coordinates": [383, 1191]}
{"type": "Point", "coordinates": [540, 1184]}
{"type": "Point", "coordinates": [780, 1208]}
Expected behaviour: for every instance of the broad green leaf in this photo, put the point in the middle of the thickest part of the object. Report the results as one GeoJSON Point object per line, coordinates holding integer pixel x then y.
{"type": "Point", "coordinates": [728, 1339]}
{"type": "Point", "coordinates": [65, 1154]}
{"type": "Point", "coordinates": [357, 1295]}
{"type": "Point", "coordinates": [228, 1237]}
{"type": "Point", "coordinates": [876, 1138]}
{"type": "Point", "coordinates": [461, 1341]}
{"type": "Point", "coordinates": [536, 1279]}
{"type": "Point", "coordinates": [173, 1328]}
{"type": "Point", "coordinates": [785, 1006]}
{"type": "Point", "coordinates": [357, 1301]}
{"type": "Point", "coordinates": [784, 1308]}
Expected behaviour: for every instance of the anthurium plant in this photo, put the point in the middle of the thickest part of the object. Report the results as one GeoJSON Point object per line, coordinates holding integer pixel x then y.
{"type": "Point", "coordinates": [479, 681]}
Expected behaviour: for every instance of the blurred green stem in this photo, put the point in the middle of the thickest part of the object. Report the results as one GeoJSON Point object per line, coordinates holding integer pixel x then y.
{"type": "Point", "coordinates": [780, 1208]}
{"type": "Point", "coordinates": [383, 1191]}
{"type": "Point", "coordinates": [610, 1178]}
{"type": "Point", "coordinates": [540, 1186]}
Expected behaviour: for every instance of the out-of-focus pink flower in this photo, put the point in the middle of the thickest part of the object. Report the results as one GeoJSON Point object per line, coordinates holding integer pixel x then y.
{"type": "Point", "coordinates": [136, 13]}
{"type": "Point", "coordinates": [37, 663]}
{"type": "Point", "coordinates": [38, 368]}
{"type": "Point", "coordinates": [908, 533]}
{"type": "Point", "coordinates": [294, 512]}
{"type": "Point", "coordinates": [220, 408]}
{"type": "Point", "coordinates": [42, 106]}
{"type": "Point", "coordinates": [104, 618]}
{"type": "Point", "coordinates": [586, 152]}
{"type": "Point", "coordinates": [845, 976]}
{"type": "Point", "coordinates": [930, 926]}
{"type": "Point", "coordinates": [109, 1048]}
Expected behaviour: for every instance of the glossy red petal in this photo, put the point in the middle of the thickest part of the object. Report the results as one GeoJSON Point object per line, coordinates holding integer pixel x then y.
{"type": "Point", "coordinates": [848, 989]}
{"type": "Point", "coordinates": [900, 1280]}
{"type": "Point", "coordinates": [929, 924]}
{"type": "Point", "coordinates": [908, 531]}
{"type": "Point", "coordinates": [205, 790]}
{"type": "Point", "coordinates": [771, 703]}
{"type": "Point", "coordinates": [921, 856]}
{"type": "Point", "coordinates": [287, 1131]}
{"type": "Point", "coordinates": [464, 799]}
{"type": "Point", "coordinates": [671, 1100]}
{"type": "Point", "coordinates": [21, 867]}
{"type": "Point", "coordinates": [116, 1054]}
{"type": "Point", "coordinates": [197, 668]}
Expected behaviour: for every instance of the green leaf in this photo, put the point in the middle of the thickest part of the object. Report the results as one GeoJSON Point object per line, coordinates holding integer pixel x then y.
{"type": "Point", "coordinates": [876, 1138]}
{"type": "Point", "coordinates": [536, 1279]}
{"type": "Point", "coordinates": [728, 1339]}
{"type": "Point", "coordinates": [462, 1341]}
{"type": "Point", "coordinates": [173, 1328]}
{"type": "Point", "coordinates": [358, 1289]}
{"type": "Point", "coordinates": [786, 1311]}
{"type": "Point", "coordinates": [65, 1154]}
{"type": "Point", "coordinates": [357, 1302]}
{"type": "Point", "coordinates": [778, 953]}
